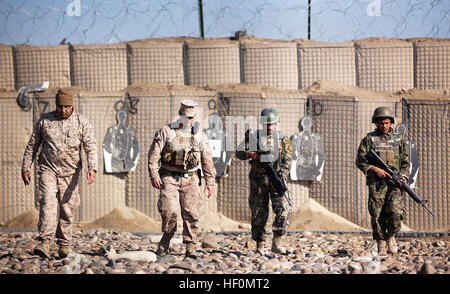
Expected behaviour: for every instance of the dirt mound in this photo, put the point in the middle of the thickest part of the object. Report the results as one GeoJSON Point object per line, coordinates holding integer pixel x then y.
{"type": "Point", "coordinates": [129, 219]}
{"type": "Point", "coordinates": [26, 220]}
{"type": "Point", "coordinates": [440, 94]}
{"type": "Point", "coordinates": [313, 218]}
{"type": "Point", "coordinates": [126, 219]}
{"type": "Point", "coordinates": [317, 218]}
{"type": "Point", "coordinates": [216, 222]}
{"type": "Point", "coordinates": [330, 87]}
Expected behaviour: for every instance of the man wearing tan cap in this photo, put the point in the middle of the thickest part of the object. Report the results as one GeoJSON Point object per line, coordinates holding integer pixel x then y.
{"type": "Point", "coordinates": [61, 133]}
{"type": "Point", "coordinates": [174, 159]}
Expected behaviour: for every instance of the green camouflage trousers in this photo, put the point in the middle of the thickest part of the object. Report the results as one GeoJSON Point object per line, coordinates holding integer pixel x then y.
{"type": "Point", "coordinates": [260, 193]}
{"type": "Point", "coordinates": [386, 208]}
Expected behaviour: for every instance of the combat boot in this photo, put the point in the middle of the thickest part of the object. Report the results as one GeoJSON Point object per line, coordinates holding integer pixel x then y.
{"type": "Point", "coordinates": [64, 250]}
{"type": "Point", "coordinates": [391, 245]}
{"type": "Point", "coordinates": [43, 249]}
{"type": "Point", "coordinates": [276, 243]}
{"type": "Point", "coordinates": [163, 245]}
{"type": "Point", "coordinates": [260, 248]}
{"type": "Point", "coordinates": [381, 247]}
{"type": "Point", "coordinates": [190, 250]}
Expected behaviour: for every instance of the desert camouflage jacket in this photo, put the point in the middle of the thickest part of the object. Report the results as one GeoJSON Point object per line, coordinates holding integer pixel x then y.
{"type": "Point", "coordinates": [61, 141]}
{"type": "Point", "coordinates": [201, 149]}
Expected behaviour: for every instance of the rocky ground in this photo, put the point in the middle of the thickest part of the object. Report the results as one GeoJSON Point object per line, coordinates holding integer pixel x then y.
{"type": "Point", "coordinates": [233, 253]}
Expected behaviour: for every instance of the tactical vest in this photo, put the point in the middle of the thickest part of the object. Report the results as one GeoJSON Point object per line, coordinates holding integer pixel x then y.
{"type": "Point", "coordinates": [268, 146]}
{"type": "Point", "coordinates": [388, 150]}
{"type": "Point", "coordinates": [182, 149]}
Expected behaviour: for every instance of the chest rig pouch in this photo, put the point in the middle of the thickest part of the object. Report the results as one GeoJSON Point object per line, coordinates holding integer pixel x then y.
{"type": "Point", "coordinates": [388, 150]}
{"type": "Point", "coordinates": [182, 150]}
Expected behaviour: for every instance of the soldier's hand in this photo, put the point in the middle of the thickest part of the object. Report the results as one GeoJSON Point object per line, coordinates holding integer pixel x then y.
{"type": "Point", "coordinates": [26, 178]}
{"type": "Point", "coordinates": [210, 190]}
{"type": "Point", "coordinates": [90, 176]}
{"type": "Point", "coordinates": [400, 185]}
{"type": "Point", "coordinates": [381, 173]}
{"type": "Point", "coordinates": [157, 183]}
{"type": "Point", "coordinates": [254, 155]}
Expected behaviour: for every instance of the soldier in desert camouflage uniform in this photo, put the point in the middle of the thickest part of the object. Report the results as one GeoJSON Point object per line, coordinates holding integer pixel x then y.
{"type": "Point", "coordinates": [61, 134]}
{"type": "Point", "coordinates": [386, 204]}
{"type": "Point", "coordinates": [175, 156]}
{"type": "Point", "coordinates": [261, 190]}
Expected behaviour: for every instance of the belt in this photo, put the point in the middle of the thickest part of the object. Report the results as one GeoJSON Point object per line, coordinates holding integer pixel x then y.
{"type": "Point", "coordinates": [174, 174]}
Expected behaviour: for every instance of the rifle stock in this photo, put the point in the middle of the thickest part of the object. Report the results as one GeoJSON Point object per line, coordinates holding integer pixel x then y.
{"type": "Point", "coordinates": [395, 174]}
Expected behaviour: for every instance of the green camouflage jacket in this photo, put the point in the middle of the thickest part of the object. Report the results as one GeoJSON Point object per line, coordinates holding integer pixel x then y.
{"type": "Point", "coordinates": [283, 160]}
{"type": "Point", "coordinates": [390, 147]}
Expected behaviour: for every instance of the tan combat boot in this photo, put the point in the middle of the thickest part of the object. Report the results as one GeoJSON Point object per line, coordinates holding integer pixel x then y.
{"type": "Point", "coordinates": [391, 245]}
{"type": "Point", "coordinates": [260, 247]}
{"type": "Point", "coordinates": [190, 250]}
{"type": "Point", "coordinates": [64, 250]}
{"type": "Point", "coordinates": [163, 246]}
{"type": "Point", "coordinates": [276, 244]}
{"type": "Point", "coordinates": [43, 249]}
{"type": "Point", "coordinates": [381, 247]}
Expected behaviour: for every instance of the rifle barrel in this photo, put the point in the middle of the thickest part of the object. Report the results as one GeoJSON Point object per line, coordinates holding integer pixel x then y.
{"type": "Point", "coordinates": [405, 186]}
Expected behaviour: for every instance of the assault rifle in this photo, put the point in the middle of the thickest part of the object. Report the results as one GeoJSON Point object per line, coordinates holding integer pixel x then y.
{"type": "Point", "coordinates": [276, 181]}
{"type": "Point", "coordinates": [395, 177]}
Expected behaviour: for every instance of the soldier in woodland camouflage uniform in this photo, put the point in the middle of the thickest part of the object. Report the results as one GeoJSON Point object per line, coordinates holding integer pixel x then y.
{"type": "Point", "coordinates": [386, 202]}
{"type": "Point", "coordinates": [61, 134]}
{"type": "Point", "coordinates": [261, 190]}
{"type": "Point", "coordinates": [175, 156]}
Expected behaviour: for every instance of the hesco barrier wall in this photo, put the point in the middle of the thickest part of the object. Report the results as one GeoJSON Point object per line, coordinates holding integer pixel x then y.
{"type": "Point", "coordinates": [100, 67]}
{"type": "Point", "coordinates": [7, 67]}
{"type": "Point", "coordinates": [428, 127]}
{"type": "Point", "coordinates": [272, 64]}
{"type": "Point", "coordinates": [340, 121]}
{"type": "Point", "coordinates": [331, 61]}
{"type": "Point", "coordinates": [387, 65]}
{"type": "Point", "coordinates": [35, 64]}
{"type": "Point", "coordinates": [159, 62]}
{"type": "Point", "coordinates": [210, 63]}
{"type": "Point", "coordinates": [432, 64]}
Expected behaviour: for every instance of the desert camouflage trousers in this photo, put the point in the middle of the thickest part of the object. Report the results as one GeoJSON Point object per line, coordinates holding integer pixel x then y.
{"type": "Point", "coordinates": [181, 193]}
{"type": "Point", "coordinates": [260, 193]}
{"type": "Point", "coordinates": [58, 197]}
{"type": "Point", "coordinates": [386, 208]}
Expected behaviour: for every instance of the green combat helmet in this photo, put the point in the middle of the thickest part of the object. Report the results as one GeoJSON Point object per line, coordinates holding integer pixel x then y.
{"type": "Point", "coordinates": [271, 116]}
{"type": "Point", "coordinates": [382, 112]}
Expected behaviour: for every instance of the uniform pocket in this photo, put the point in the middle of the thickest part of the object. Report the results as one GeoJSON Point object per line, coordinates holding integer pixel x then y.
{"type": "Point", "coordinates": [73, 138]}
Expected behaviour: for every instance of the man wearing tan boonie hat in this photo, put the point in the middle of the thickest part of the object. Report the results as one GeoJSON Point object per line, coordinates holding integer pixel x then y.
{"type": "Point", "coordinates": [61, 133]}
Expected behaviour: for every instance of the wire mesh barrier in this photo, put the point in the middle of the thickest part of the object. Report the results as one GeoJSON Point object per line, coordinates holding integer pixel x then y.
{"type": "Point", "coordinates": [428, 126]}
{"type": "Point", "coordinates": [89, 22]}
{"type": "Point", "coordinates": [380, 65]}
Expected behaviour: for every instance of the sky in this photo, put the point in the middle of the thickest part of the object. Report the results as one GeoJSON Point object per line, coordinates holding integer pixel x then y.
{"type": "Point", "coordinates": [48, 22]}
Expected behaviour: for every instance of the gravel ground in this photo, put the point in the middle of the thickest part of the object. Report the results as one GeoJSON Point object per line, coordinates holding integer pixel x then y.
{"type": "Point", "coordinates": [224, 253]}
